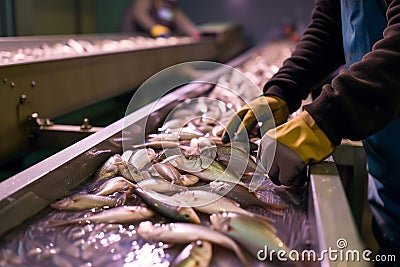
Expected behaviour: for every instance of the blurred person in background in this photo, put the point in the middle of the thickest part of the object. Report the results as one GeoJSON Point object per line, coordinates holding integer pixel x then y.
{"type": "Point", "coordinates": [361, 103]}
{"type": "Point", "coordinates": [159, 18]}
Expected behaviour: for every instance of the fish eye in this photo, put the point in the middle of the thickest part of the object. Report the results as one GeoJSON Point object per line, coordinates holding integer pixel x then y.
{"type": "Point", "coordinates": [186, 216]}
{"type": "Point", "coordinates": [199, 244]}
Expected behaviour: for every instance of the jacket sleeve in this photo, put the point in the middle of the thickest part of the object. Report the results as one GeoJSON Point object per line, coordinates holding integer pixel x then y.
{"type": "Point", "coordinates": [318, 53]}
{"type": "Point", "coordinates": [141, 13]}
{"type": "Point", "coordinates": [365, 98]}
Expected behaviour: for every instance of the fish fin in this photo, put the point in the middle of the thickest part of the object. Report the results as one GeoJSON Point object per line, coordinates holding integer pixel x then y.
{"type": "Point", "coordinates": [242, 255]}
{"type": "Point", "coordinates": [270, 210]}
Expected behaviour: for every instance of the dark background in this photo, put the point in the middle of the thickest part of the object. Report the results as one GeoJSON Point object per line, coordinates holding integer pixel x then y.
{"type": "Point", "coordinates": [259, 18]}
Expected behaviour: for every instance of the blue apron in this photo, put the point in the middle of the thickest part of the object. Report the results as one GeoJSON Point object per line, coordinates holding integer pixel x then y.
{"type": "Point", "coordinates": [363, 22]}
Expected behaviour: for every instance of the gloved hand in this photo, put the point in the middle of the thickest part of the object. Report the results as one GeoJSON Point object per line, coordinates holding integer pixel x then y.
{"type": "Point", "coordinates": [286, 150]}
{"type": "Point", "coordinates": [256, 111]}
{"type": "Point", "coordinates": [159, 30]}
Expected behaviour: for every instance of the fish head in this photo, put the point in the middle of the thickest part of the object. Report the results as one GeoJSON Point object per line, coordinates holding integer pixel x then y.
{"type": "Point", "coordinates": [217, 186]}
{"type": "Point", "coordinates": [220, 221]}
{"type": "Point", "coordinates": [189, 179]}
{"type": "Point", "coordinates": [187, 214]}
{"type": "Point", "coordinates": [62, 204]}
{"type": "Point", "coordinates": [189, 163]}
{"type": "Point", "coordinates": [201, 250]}
{"type": "Point", "coordinates": [135, 173]}
{"type": "Point", "coordinates": [117, 159]}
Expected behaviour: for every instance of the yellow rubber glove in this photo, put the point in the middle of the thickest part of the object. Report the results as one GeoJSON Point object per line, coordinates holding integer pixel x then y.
{"type": "Point", "coordinates": [286, 150]}
{"type": "Point", "coordinates": [159, 30]}
{"type": "Point", "coordinates": [256, 111]}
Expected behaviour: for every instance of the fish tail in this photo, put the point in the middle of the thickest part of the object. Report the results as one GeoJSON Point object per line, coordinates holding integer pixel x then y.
{"type": "Point", "coordinates": [243, 258]}
{"type": "Point", "coordinates": [57, 223]}
{"type": "Point", "coordinates": [277, 206]}
{"type": "Point", "coordinates": [272, 210]}
{"type": "Point", "coordinates": [265, 220]}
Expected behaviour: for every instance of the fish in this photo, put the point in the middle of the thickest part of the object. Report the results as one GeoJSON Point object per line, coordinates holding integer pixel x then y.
{"type": "Point", "coordinates": [87, 201]}
{"type": "Point", "coordinates": [172, 124]}
{"type": "Point", "coordinates": [140, 158]}
{"type": "Point", "coordinates": [238, 160]}
{"type": "Point", "coordinates": [160, 185]}
{"type": "Point", "coordinates": [167, 206]}
{"type": "Point", "coordinates": [189, 179]}
{"type": "Point", "coordinates": [170, 173]}
{"type": "Point", "coordinates": [251, 234]}
{"type": "Point", "coordinates": [123, 214]}
{"type": "Point", "coordinates": [130, 172]}
{"type": "Point", "coordinates": [109, 168]}
{"type": "Point", "coordinates": [293, 195]}
{"type": "Point", "coordinates": [126, 155]}
{"type": "Point", "coordinates": [191, 164]}
{"type": "Point", "coordinates": [188, 232]}
{"type": "Point", "coordinates": [209, 203]}
{"type": "Point", "coordinates": [242, 195]}
{"type": "Point", "coordinates": [205, 168]}
{"type": "Point", "coordinates": [158, 144]}
{"type": "Point", "coordinates": [175, 136]}
{"type": "Point", "coordinates": [112, 185]}
{"type": "Point", "coordinates": [196, 254]}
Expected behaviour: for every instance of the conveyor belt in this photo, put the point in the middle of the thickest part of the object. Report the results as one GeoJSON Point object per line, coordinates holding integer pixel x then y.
{"type": "Point", "coordinates": [302, 227]}
{"type": "Point", "coordinates": [67, 75]}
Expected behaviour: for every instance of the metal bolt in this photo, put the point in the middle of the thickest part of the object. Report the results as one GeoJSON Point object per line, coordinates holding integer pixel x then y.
{"type": "Point", "coordinates": [86, 124]}
{"type": "Point", "coordinates": [33, 83]}
{"type": "Point", "coordinates": [4, 80]}
{"type": "Point", "coordinates": [22, 99]}
{"type": "Point", "coordinates": [12, 84]}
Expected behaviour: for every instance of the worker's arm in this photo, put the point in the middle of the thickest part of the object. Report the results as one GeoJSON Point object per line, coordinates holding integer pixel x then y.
{"type": "Point", "coordinates": [185, 25]}
{"type": "Point", "coordinates": [141, 12]}
{"type": "Point", "coordinates": [318, 53]}
{"type": "Point", "coordinates": [364, 99]}
{"type": "Point", "coordinates": [358, 103]}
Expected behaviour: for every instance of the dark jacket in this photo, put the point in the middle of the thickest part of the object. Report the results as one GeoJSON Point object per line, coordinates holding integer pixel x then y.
{"type": "Point", "coordinates": [359, 101]}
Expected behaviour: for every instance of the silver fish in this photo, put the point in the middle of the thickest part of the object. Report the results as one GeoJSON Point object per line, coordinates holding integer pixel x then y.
{"type": "Point", "coordinates": [167, 206]}
{"type": "Point", "coordinates": [123, 214]}
{"type": "Point", "coordinates": [242, 195]}
{"type": "Point", "coordinates": [160, 186]}
{"type": "Point", "coordinates": [209, 203]}
{"type": "Point", "coordinates": [205, 168]}
{"type": "Point", "coordinates": [251, 234]}
{"type": "Point", "coordinates": [87, 201]}
{"type": "Point", "coordinates": [170, 173]}
{"type": "Point", "coordinates": [196, 254]}
{"type": "Point", "coordinates": [175, 136]}
{"type": "Point", "coordinates": [142, 157]}
{"type": "Point", "coordinates": [112, 185]}
{"type": "Point", "coordinates": [188, 232]}
{"type": "Point", "coordinates": [109, 168]}
{"type": "Point", "coordinates": [237, 160]}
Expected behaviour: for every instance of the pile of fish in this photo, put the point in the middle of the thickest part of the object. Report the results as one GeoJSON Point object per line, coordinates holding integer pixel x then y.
{"type": "Point", "coordinates": [183, 173]}
{"type": "Point", "coordinates": [180, 198]}
{"type": "Point", "coordinates": [73, 47]}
